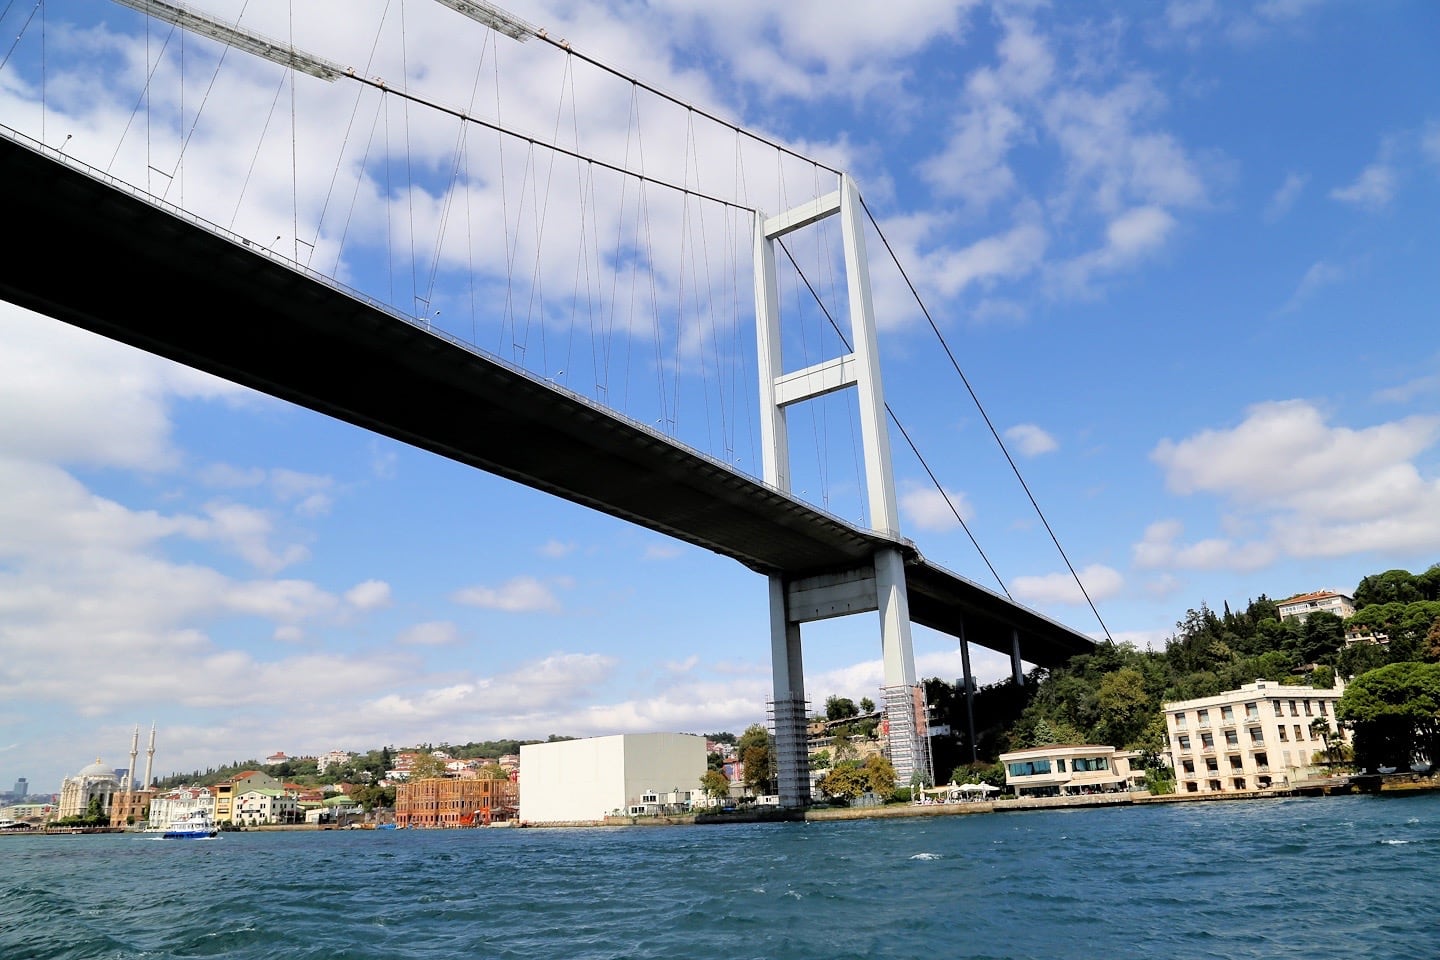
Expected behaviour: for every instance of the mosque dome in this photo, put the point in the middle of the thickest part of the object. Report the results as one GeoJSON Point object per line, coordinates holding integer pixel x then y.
{"type": "Point", "coordinates": [97, 769]}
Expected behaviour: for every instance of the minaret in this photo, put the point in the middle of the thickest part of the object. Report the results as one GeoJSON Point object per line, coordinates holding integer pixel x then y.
{"type": "Point", "coordinates": [149, 757]}
{"type": "Point", "coordinates": [134, 752]}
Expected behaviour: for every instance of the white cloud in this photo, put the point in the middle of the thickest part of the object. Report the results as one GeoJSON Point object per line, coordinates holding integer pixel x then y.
{"type": "Point", "coordinates": [1130, 237]}
{"type": "Point", "coordinates": [932, 510]}
{"type": "Point", "coordinates": [1159, 549]}
{"type": "Point", "coordinates": [1373, 189]}
{"type": "Point", "coordinates": [246, 532]}
{"type": "Point", "coordinates": [1031, 439]}
{"type": "Point", "coordinates": [556, 549]}
{"type": "Point", "coordinates": [369, 595]}
{"type": "Point", "coordinates": [1321, 274]}
{"type": "Point", "coordinates": [1323, 490]}
{"type": "Point", "coordinates": [1284, 198]}
{"type": "Point", "coordinates": [1430, 142]}
{"type": "Point", "coordinates": [662, 551]}
{"type": "Point", "coordinates": [103, 404]}
{"type": "Point", "coordinates": [520, 595]}
{"type": "Point", "coordinates": [1100, 581]}
{"type": "Point", "coordinates": [435, 633]}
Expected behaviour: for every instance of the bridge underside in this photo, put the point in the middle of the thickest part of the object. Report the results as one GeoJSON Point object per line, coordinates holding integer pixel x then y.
{"type": "Point", "coordinates": [99, 258]}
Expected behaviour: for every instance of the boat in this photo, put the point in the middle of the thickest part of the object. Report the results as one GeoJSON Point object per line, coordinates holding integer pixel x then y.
{"type": "Point", "coordinates": [191, 826]}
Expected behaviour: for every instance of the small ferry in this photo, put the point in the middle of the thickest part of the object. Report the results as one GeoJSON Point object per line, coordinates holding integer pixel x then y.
{"type": "Point", "coordinates": [191, 826]}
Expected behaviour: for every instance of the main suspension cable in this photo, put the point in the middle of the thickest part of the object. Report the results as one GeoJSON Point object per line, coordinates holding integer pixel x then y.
{"type": "Point", "coordinates": [986, 416]}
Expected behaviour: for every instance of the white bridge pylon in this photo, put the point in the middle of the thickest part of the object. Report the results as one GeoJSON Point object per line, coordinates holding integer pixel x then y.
{"type": "Point", "coordinates": [878, 585]}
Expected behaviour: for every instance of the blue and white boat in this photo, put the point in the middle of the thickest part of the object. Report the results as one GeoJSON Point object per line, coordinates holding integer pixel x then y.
{"type": "Point", "coordinates": [191, 826]}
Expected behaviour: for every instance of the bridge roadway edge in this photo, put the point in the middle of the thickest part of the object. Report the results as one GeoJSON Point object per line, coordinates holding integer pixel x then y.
{"type": "Point", "coordinates": [119, 265]}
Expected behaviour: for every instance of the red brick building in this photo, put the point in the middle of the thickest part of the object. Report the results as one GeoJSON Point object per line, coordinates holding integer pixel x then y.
{"type": "Point", "coordinates": [445, 802]}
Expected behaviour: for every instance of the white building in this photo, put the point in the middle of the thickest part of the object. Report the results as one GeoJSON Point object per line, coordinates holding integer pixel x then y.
{"type": "Point", "coordinates": [262, 806]}
{"type": "Point", "coordinates": [1322, 601]}
{"type": "Point", "coordinates": [1261, 736]}
{"type": "Point", "coordinates": [95, 782]}
{"type": "Point", "coordinates": [570, 781]}
{"type": "Point", "coordinates": [181, 802]}
{"type": "Point", "coordinates": [333, 758]}
{"type": "Point", "coordinates": [1066, 770]}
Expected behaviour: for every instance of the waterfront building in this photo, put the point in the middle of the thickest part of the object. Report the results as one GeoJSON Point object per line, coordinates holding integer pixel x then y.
{"type": "Point", "coordinates": [1302, 605]}
{"type": "Point", "coordinates": [227, 792]}
{"type": "Point", "coordinates": [1261, 736]}
{"type": "Point", "coordinates": [259, 806]}
{"type": "Point", "coordinates": [1063, 770]}
{"type": "Point", "coordinates": [569, 781]}
{"type": "Point", "coordinates": [96, 781]}
{"type": "Point", "coordinates": [454, 802]}
{"type": "Point", "coordinates": [171, 805]}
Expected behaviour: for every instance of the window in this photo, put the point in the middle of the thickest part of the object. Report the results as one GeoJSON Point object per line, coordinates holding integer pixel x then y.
{"type": "Point", "coordinates": [1262, 762]}
{"type": "Point", "coordinates": [1180, 721]}
{"type": "Point", "coordinates": [1184, 741]}
{"type": "Point", "coordinates": [1232, 739]}
{"type": "Point", "coordinates": [1189, 766]}
{"type": "Point", "coordinates": [1239, 783]}
{"type": "Point", "coordinates": [1279, 710]}
{"type": "Point", "coordinates": [1257, 735]}
{"type": "Point", "coordinates": [1060, 765]}
{"type": "Point", "coordinates": [1088, 764]}
{"type": "Point", "coordinates": [1283, 737]}
{"type": "Point", "coordinates": [1293, 711]}
{"type": "Point", "coordinates": [1236, 764]}
{"type": "Point", "coordinates": [1207, 741]}
{"type": "Point", "coordinates": [1252, 711]}
{"type": "Point", "coordinates": [1202, 717]}
{"type": "Point", "coordinates": [1307, 709]}
{"type": "Point", "coordinates": [1212, 765]}
{"type": "Point", "coordinates": [1029, 768]}
{"type": "Point", "coordinates": [1299, 732]}
{"type": "Point", "coordinates": [1227, 714]}
{"type": "Point", "coordinates": [1322, 707]}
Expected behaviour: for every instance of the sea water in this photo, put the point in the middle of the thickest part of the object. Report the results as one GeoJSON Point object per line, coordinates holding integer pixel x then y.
{"type": "Point", "coordinates": [1352, 877]}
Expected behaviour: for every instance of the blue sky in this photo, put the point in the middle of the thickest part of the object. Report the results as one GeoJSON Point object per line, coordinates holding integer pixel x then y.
{"type": "Point", "coordinates": [1186, 253]}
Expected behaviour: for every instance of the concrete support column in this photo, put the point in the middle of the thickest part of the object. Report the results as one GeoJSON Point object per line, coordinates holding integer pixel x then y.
{"type": "Point", "coordinates": [969, 681]}
{"type": "Point", "coordinates": [789, 710]}
{"type": "Point", "coordinates": [1017, 669]}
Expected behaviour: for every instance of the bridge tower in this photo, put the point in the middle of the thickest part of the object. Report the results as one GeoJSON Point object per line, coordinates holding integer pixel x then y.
{"type": "Point", "coordinates": [880, 584]}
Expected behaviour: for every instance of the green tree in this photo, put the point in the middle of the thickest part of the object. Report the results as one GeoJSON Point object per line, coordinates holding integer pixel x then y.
{"type": "Point", "coordinates": [715, 784]}
{"type": "Point", "coordinates": [844, 782]}
{"type": "Point", "coordinates": [867, 705]}
{"type": "Point", "coordinates": [427, 767]}
{"type": "Point", "coordinates": [1125, 707]}
{"type": "Point", "coordinates": [756, 748]}
{"type": "Point", "coordinates": [840, 708]}
{"type": "Point", "coordinates": [1395, 713]}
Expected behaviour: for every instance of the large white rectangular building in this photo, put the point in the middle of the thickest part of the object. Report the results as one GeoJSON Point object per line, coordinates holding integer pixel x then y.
{"type": "Point", "coordinates": [1261, 736]}
{"type": "Point", "coordinates": [582, 781]}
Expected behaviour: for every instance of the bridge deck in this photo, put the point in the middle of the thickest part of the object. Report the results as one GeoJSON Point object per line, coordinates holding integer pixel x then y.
{"type": "Point", "coordinates": [95, 256]}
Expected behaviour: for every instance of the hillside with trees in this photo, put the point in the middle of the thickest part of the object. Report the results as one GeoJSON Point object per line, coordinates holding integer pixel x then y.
{"type": "Point", "coordinates": [1115, 695]}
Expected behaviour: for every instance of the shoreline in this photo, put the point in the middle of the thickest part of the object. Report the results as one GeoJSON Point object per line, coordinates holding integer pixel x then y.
{"type": "Point", "coordinates": [1376, 785]}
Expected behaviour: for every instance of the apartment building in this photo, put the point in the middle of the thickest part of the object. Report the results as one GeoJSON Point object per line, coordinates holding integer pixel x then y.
{"type": "Point", "coordinates": [1260, 736]}
{"type": "Point", "coordinates": [1322, 601]}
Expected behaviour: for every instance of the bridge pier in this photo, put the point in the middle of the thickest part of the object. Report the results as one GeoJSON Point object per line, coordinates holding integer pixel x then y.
{"type": "Point", "coordinates": [882, 585]}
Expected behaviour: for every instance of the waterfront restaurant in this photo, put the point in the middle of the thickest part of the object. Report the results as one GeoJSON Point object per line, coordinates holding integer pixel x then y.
{"type": "Point", "coordinates": [1066, 770]}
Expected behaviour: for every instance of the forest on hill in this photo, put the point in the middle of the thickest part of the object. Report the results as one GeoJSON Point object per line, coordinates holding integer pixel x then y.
{"type": "Point", "coordinates": [1115, 695]}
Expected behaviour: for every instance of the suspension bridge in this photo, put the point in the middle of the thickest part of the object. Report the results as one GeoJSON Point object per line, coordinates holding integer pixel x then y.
{"type": "Point", "coordinates": [133, 247]}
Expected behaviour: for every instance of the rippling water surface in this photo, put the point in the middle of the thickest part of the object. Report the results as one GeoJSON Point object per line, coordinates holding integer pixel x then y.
{"type": "Point", "coordinates": [1321, 878]}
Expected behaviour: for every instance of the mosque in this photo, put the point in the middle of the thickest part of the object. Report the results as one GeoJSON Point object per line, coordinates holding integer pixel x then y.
{"type": "Point", "coordinates": [120, 801]}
